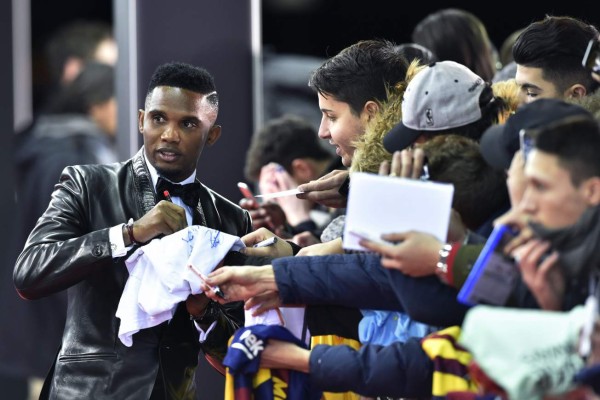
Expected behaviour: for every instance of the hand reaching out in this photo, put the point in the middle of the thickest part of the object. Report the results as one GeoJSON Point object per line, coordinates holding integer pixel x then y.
{"type": "Point", "coordinates": [280, 248]}
{"type": "Point", "coordinates": [239, 282]}
{"type": "Point", "coordinates": [415, 254]}
{"type": "Point", "coordinates": [325, 190]}
{"type": "Point", "coordinates": [263, 302]}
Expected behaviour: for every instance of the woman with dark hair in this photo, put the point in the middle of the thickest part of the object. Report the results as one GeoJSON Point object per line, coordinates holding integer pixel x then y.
{"type": "Point", "coordinates": [457, 35]}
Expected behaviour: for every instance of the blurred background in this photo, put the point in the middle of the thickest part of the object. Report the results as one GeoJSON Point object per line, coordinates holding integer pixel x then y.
{"type": "Point", "coordinates": [261, 53]}
{"type": "Point", "coordinates": [318, 28]}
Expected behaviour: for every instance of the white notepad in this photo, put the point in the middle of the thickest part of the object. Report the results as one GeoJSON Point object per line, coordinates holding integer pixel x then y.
{"type": "Point", "coordinates": [383, 204]}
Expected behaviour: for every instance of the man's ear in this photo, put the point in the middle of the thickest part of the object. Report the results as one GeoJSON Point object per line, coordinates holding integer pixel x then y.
{"type": "Point", "coordinates": [371, 108]}
{"type": "Point", "coordinates": [303, 170]}
{"type": "Point", "coordinates": [141, 120]}
{"type": "Point", "coordinates": [213, 135]}
{"type": "Point", "coordinates": [576, 91]}
{"type": "Point", "coordinates": [592, 190]}
{"type": "Point", "coordinates": [71, 69]}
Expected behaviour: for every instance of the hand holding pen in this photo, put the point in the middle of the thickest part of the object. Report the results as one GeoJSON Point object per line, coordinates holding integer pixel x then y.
{"type": "Point", "coordinates": [216, 290]}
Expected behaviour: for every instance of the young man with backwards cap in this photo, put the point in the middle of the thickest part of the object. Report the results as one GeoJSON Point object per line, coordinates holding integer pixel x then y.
{"type": "Point", "coordinates": [445, 97]}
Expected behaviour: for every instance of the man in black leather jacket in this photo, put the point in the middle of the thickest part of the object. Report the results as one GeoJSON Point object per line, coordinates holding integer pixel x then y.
{"type": "Point", "coordinates": [83, 238]}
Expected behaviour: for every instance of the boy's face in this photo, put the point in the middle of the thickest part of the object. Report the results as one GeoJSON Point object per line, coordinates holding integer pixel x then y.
{"type": "Point", "coordinates": [550, 198]}
{"type": "Point", "coordinates": [340, 126]}
{"type": "Point", "coordinates": [532, 85]}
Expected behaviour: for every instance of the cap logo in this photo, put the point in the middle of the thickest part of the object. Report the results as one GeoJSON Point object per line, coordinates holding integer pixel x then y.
{"type": "Point", "coordinates": [478, 82]}
{"type": "Point", "coordinates": [429, 117]}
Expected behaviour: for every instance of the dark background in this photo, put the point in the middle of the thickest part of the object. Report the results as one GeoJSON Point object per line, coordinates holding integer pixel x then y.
{"type": "Point", "coordinates": [328, 26]}
{"type": "Point", "coordinates": [321, 27]}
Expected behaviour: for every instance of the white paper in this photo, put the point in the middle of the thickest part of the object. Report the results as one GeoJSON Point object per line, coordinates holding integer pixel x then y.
{"type": "Point", "coordinates": [383, 204]}
{"type": "Point", "coordinates": [290, 192]}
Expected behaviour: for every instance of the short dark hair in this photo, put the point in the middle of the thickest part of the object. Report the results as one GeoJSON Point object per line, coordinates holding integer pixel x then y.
{"type": "Point", "coordinates": [557, 45]}
{"type": "Point", "coordinates": [361, 72]}
{"type": "Point", "coordinates": [185, 76]}
{"type": "Point", "coordinates": [94, 85]}
{"type": "Point", "coordinates": [282, 140]}
{"type": "Point", "coordinates": [454, 34]}
{"type": "Point", "coordinates": [576, 143]}
{"type": "Point", "coordinates": [78, 39]}
{"type": "Point", "coordinates": [479, 190]}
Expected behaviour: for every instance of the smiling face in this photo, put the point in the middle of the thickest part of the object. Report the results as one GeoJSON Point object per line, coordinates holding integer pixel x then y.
{"type": "Point", "coordinates": [340, 126]}
{"type": "Point", "coordinates": [176, 125]}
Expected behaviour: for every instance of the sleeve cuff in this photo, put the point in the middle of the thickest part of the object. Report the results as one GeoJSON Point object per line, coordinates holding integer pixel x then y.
{"type": "Point", "coordinates": [117, 245]}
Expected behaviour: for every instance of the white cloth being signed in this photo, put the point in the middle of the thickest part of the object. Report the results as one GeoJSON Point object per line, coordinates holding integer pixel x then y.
{"type": "Point", "coordinates": [160, 276]}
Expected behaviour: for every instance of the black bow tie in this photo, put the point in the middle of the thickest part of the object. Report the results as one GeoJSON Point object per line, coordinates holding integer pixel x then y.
{"type": "Point", "coordinates": [190, 193]}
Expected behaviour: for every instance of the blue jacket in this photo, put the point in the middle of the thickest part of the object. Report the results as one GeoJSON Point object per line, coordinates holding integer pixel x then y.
{"type": "Point", "coordinates": [359, 280]}
{"type": "Point", "coordinates": [397, 370]}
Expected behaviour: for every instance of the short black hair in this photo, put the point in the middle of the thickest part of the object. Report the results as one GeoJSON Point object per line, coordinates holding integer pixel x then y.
{"type": "Point", "coordinates": [77, 39]}
{"type": "Point", "coordinates": [94, 85]}
{"type": "Point", "coordinates": [453, 34]}
{"type": "Point", "coordinates": [557, 45]}
{"type": "Point", "coordinates": [576, 143]}
{"type": "Point", "coordinates": [282, 140]}
{"type": "Point", "coordinates": [361, 72]}
{"type": "Point", "coordinates": [185, 76]}
{"type": "Point", "coordinates": [479, 190]}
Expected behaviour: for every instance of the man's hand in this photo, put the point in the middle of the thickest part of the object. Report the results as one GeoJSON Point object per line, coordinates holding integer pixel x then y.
{"type": "Point", "coordinates": [280, 248]}
{"type": "Point", "coordinates": [268, 215]}
{"type": "Point", "coordinates": [280, 354]}
{"type": "Point", "coordinates": [196, 304]}
{"type": "Point", "coordinates": [164, 219]}
{"type": "Point", "coordinates": [416, 253]}
{"type": "Point", "coordinates": [543, 276]}
{"type": "Point", "coordinates": [325, 189]}
{"type": "Point", "coordinates": [274, 178]}
{"type": "Point", "coordinates": [518, 220]}
{"type": "Point", "coordinates": [239, 282]}
{"type": "Point", "coordinates": [407, 163]}
{"type": "Point", "coordinates": [263, 302]}
{"type": "Point", "coordinates": [322, 249]}
{"type": "Point", "coordinates": [304, 239]}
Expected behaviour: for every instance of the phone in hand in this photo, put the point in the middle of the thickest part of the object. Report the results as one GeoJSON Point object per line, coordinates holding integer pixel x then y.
{"type": "Point", "coordinates": [494, 274]}
{"type": "Point", "coordinates": [246, 192]}
{"type": "Point", "coordinates": [591, 58]}
{"type": "Point", "coordinates": [526, 143]}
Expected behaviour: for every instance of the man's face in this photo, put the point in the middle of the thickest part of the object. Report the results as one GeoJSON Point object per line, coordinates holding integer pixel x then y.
{"type": "Point", "coordinates": [176, 125]}
{"type": "Point", "coordinates": [550, 198]}
{"type": "Point", "coordinates": [340, 126]}
{"type": "Point", "coordinates": [532, 86]}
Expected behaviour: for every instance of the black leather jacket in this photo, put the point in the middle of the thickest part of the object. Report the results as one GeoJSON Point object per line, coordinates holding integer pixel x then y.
{"type": "Point", "coordinates": [69, 248]}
